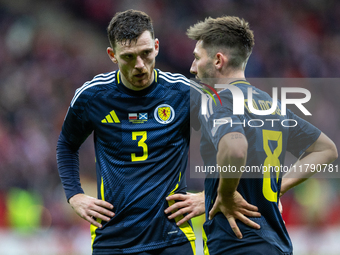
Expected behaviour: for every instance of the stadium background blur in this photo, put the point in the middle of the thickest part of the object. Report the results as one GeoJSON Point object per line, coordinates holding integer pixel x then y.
{"type": "Point", "coordinates": [50, 48]}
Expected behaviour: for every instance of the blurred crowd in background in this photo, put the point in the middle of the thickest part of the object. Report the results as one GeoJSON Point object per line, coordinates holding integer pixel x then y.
{"type": "Point", "coordinates": [50, 48]}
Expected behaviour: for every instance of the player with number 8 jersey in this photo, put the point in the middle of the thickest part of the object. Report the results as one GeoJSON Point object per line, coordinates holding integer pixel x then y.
{"type": "Point", "coordinates": [141, 145]}
{"type": "Point", "coordinates": [242, 206]}
{"type": "Point", "coordinates": [267, 145]}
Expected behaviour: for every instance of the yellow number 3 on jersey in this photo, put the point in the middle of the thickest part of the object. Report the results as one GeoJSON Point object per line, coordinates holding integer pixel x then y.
{"type": "Point", "coordinates": [141, 143]}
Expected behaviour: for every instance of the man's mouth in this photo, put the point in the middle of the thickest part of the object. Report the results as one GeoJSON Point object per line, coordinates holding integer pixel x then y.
{"type": "Point", "coordinates": [140, 75]}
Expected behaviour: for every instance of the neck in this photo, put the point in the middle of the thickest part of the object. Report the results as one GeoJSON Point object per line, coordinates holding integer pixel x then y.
{"type": "Point", "coordinates": [230, 76]}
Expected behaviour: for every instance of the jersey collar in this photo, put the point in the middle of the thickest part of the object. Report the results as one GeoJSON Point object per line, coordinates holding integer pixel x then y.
{"type": "Point", "coordinates": [240, 82]}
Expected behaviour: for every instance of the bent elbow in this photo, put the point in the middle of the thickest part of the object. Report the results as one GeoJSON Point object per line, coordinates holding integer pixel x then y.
{"type": "Point", "coordinates": [233, 156]}
{"type": "Point", "coordinates": [239, 154]}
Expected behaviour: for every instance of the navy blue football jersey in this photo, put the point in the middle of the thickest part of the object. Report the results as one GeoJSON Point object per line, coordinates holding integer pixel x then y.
{"type": "Point", "coordinates": [269, 137]}
{"type": "Point", "coordinates": [141, 145]}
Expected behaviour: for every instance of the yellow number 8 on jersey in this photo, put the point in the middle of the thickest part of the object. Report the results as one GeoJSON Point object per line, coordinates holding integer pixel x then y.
{"type": "Point", "coordinates": [272, 161]}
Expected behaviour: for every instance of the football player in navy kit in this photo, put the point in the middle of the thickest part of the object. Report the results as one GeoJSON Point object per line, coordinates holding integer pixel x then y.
{"type": "Point", "coordinates": [223, 47]}
{"type": "Point", "coordinates": [140, 119]}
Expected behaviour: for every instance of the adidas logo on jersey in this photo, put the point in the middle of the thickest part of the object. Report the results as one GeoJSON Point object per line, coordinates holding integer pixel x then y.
{"type": "Point", "coordinates": [111, 118]}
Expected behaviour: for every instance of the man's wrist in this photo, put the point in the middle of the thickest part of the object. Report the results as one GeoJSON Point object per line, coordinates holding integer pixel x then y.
{"type": "Point", "coordinates": [69, 200]}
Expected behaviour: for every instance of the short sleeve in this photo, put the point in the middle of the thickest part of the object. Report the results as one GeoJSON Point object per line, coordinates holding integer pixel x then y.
{"type": "Point", "coordinates": [301, 136]}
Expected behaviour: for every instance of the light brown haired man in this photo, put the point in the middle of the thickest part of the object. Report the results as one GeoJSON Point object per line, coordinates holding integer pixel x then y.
{"type": "Point", "coordinates": [222, 50]}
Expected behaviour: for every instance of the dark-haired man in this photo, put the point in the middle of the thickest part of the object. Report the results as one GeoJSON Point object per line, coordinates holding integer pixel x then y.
{"type": "Point", "coordinates": [140, 119]}
{"type": "Point", "coordinates": [223, 47]}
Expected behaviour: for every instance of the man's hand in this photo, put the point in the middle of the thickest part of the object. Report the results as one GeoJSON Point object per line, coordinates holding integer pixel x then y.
{"type": "Point", "coordinates": [192, 204]}
{"type": "Point", "coordinates": [89, 208]}
{"type": "Point", "coordinates": [235, 207]}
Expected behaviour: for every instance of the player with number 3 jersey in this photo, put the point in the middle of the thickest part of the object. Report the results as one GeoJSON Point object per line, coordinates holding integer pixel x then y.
{"type": "Point", "coordinates": [140, 118]}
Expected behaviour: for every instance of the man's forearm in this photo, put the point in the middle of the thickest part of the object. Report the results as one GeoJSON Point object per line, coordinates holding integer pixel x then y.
{"type": "Point", "coordinates": [68, 167]}
{"type": "Point", "coordinates": [301, 171]}
{"type": "Point", "coordinates": [321, 153]}
{"type": "Point", "coordinates": [232, 152]}
{"type": "Point", "coordinates": [229, 181]}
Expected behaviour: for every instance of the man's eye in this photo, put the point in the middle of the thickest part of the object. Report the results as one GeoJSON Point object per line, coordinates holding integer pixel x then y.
{"type": "Point", "coordinates": [147, 53]}
{"type": "Point", "coordinates": [127, 57]}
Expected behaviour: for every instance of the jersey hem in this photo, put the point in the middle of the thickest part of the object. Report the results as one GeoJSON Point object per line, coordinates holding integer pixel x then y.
{"type": "Point", "coordinates": [137, 250]}
{"type": "Point", "coordinates": [289, 252]}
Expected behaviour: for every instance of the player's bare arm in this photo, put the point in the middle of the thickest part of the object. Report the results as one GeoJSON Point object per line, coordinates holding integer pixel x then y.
{"type": "Point", "coordinates": [190, 203]}
{"type": "Point", "coordinates": [232, 150]}
{"type": "Point", "coordinates": [322, 151]}
{"type": "Point", "coordinates": [90, 208]}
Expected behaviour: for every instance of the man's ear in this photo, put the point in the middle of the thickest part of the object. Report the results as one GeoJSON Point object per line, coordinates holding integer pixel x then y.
{"type": "Point", "coordinates": [220, 61]}
{"type": "Point", "coordinates": [156, 46]}
{"type": "Point", "coordinates": [112, 55]}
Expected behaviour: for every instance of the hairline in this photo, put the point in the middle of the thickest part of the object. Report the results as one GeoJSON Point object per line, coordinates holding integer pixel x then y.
{"type": "Point", "coordinates": [212, 49]}
{"type": "Point", "coordinates": [130, 41]}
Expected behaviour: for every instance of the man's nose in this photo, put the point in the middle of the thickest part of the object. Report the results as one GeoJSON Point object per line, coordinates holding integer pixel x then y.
{"type": "Point", "coordinates": [193, 69]}
{"type": "Point", "coordinates": [139, 63]}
